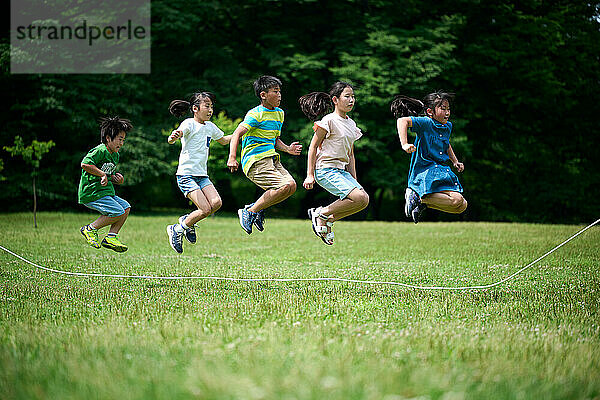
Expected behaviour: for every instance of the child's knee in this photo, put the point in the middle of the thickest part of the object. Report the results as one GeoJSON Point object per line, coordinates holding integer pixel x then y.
{"type": "Point", "coordinates": [463, 206]}
{"type": "Point", "coordinates": [290, 187]}
{"type": "Point", "coordinates": [363, 198]}
{"type": "Point", "coordinates": [459, 204]}
{"type": "Point", "coordinates": [215, 204]}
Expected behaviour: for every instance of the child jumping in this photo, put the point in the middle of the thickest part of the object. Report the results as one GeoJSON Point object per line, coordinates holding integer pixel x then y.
{"type": "Point", "coordinates": [331, 160]}
{"type": "Point", "coordinates": [260, 132]}
{"type": "Point", "coordinates": [192, 175]}
{"type": "Point", "coordinates": [96, 190]}
{"type": "Point", "coordinates": [431, 183]}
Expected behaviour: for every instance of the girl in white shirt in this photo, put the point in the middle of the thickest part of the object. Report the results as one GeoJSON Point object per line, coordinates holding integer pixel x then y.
{"type": "Point", "coordinates": [192, 176]}
{"type": "Point", "coordinates": [331, 161]}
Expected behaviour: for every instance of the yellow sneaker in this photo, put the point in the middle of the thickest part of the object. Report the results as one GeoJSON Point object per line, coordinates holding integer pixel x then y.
{"type": "Point", "coordinates": [91, 235]}
{"type": "Point", "coordinates": [113, 243]}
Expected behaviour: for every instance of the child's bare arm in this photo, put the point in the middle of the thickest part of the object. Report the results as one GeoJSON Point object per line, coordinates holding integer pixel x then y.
{"type": "Point", "coordinates": [294, 148]}
{"type": "Point", "coordinates": [351, 167]}
{"type": "Point", "coordinates": [312, 157]}
{"type": "Point", "coordinates": [117, 178]}
{"type": "Point", "coordinates": [403, 124]}
{"type": "Point", "coordinates": [460, 167]}
{"type": "Point", "coordinates": [174, 136]}
{"type": "Point", "coordinates": [225, 140]}
{"type": "Point", "coordinates": [233, 144]}
{"type": "Point", "coordinates": [92, 169]}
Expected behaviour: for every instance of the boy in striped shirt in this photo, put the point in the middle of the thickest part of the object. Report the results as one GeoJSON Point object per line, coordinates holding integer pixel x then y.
{"type": "Point", "coordinates": [260, 133]}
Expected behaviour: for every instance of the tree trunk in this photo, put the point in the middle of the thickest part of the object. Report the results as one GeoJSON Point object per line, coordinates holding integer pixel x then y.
{"type": "Point", "coordinates": [34, 205]}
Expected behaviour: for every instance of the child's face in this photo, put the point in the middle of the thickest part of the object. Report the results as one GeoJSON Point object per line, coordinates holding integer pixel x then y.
{"type": "Point", "coordinates": [204, 111]}
{"type": "Point", "coordinates": [272, 97]}
{"type": "Point", "coordinates": [114, 145]}
{"type": "Point", "coordinates": [441, 113]}
{"type": "Point", "coordinates": [345, 102]}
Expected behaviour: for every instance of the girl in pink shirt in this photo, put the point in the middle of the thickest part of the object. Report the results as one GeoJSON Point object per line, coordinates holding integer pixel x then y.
{"type": "Point", "coordinates": [331, 161]}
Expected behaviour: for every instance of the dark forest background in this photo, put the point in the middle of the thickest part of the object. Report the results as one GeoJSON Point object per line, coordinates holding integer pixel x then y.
{"type": "Point", "coordinates": [526, 76]}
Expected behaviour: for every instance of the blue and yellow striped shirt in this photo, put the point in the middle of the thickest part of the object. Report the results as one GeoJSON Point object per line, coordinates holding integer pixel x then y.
{"type": "Point", "coordinates": [264, 127]}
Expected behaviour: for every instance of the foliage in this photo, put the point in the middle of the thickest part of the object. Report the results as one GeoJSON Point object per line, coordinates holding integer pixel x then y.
{"type": "Point", "coordinates": [525, 75]}
{"type": "Point", "coordinates": [32, 154]}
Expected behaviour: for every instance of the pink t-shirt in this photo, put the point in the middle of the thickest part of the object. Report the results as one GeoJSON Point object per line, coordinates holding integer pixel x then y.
{"type": "Point", "coordinates": [335, 149]}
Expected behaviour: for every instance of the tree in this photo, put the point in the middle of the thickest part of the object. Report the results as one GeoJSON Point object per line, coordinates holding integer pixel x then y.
{"type": "Point", "coordinates": [32, 155]}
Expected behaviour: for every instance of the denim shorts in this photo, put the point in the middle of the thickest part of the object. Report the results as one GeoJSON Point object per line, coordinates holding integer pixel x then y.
{"type": "Point", "coordinates": [111, 206]}
{"type": "Point", "coordinates": [336, 181]}
{"type": "Point", "coordinates": [189, 183]}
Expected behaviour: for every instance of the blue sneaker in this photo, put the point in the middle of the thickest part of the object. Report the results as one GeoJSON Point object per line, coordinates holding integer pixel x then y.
{"type": "Point", "coordinates": [259, 221]}
{"type": "Point", "coordinates": [412, 201]}
{"type": "Point", "coordinates": [189, 233]}
{"type": "Point", "coordinates": [175, 239]}
{"type": "Point", "coordinates": [246, 219]}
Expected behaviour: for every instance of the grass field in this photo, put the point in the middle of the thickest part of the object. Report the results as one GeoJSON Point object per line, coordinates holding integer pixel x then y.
{"type": "Point", "coordinates": [537, 336]}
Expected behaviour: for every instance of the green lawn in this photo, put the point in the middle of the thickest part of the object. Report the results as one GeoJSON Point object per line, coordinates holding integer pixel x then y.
{"type": "Point", "coordinates": [537, 336]}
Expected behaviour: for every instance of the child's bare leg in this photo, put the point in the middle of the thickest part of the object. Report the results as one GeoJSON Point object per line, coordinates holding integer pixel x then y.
{"type": "Point", "coordinates": [203, 206]}
{"type": "Point", "coordinates": [115, 227]}
{"type": "Point", "coordinates": [450, 202]}
{"type": "Point", "coordinates": [213, 198]}
{"type": "Point", "coordinates": [103, 221]}
{"type": "Point", "coordinates": [356, 201]}
{"type": "Point", "coordinates": [273, 196]}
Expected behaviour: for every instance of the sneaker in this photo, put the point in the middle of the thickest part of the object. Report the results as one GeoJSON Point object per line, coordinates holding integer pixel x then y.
{"type": "Point", "coordinates": [113, 243]}
{"type": "Point", "coordinates": [175, 239]}
{"type": "Point", "coordinates": [189, 233]}
{"type": "Point", "coordinates": [259, 221]}
{"type": "Point", "coordinates": [91, 235]}
{"type": "Point", "coordinates": [416, 213]}
{"type": "Point", "coordinates": [247, 219]}
{"type": "Point", "coordinates": [412, 201]}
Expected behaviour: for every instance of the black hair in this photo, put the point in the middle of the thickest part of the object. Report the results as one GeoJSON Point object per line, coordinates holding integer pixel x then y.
{"type": "Point", "coordinates": [264, 83]}
{"type": "Point", "coordinates": [404, 106]}
{"type": "Point", "coordinates": [179, 108]}
{"type": "Point", "coordinates": [315, 104]}
{"type": "Point", "coordinates": [110, 127]}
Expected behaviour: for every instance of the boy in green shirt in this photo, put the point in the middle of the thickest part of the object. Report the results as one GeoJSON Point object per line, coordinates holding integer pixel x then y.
{"type": "Point", "coordinates": [96, 190]}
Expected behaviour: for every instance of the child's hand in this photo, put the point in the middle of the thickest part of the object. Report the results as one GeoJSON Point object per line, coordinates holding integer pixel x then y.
{"type": "Point", "coordinates": [409, 148]}
{"type": "Point", "coordinates": [460, 167]}
{"type": "Point", "coordinates": [232, 164]}
{"type": "Point", "coordinates": [104, 180]}
{"type": "Point", "coordinates": [175, 135]}
{"type": "Point", "coordinates": [295, 148]}
{"type": "Point", "coordinates": [117, 178]}
{"type": "Point", "coordinates": [309, 182]}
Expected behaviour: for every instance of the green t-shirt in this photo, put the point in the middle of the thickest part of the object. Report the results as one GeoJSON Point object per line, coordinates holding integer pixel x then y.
{"type": "Point", "coordinates": [90, 188]}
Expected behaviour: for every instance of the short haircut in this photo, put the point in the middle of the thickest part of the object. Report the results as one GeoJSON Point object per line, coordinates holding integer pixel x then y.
{"type": "Point", "coordinates": [110, 127]}
{"type": "Point", "coordinates": [264, 83]}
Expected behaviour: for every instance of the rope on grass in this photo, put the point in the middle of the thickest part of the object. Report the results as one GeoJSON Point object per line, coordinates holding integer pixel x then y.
{"type": "Point", "coordinates": [367, 282]}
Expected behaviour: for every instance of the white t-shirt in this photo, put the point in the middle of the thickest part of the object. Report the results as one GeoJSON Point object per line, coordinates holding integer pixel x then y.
{"type": "Point", "coordinates": [335, 149]}
{"type": "Point", "coordinates": [194, 146]}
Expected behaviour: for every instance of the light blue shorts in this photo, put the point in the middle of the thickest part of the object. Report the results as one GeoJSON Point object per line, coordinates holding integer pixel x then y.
{"type": "Point", "coordinates": [189, 183]}
{"type": "Point", "coordinates": [336, 181]}
{"type": "Point", "coordinates": [111, 206]}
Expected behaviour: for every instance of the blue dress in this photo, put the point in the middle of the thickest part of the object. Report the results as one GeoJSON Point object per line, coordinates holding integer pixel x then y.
{"type": "Point", "coordinates": [429, 172]}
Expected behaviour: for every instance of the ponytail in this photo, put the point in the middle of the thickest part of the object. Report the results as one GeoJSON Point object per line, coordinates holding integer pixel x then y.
{"type": "Point", "coordinates": [403, 106]}
{"type": "Point", "coordinates": [179, 108]}
{"type": "Point", "coordinates": [315, 104]}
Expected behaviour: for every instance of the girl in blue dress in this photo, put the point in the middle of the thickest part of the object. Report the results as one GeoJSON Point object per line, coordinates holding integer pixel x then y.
{"type": "Point", "coordinates": [431, 182]}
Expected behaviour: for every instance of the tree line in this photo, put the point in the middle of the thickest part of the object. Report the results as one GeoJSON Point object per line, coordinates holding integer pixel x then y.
{"type": "Point", "coordinates": [526, 77]}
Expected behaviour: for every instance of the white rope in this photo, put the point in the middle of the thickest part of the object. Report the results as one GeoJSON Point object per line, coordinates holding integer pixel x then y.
{"type": "Point", "coordinates": [224, 278]}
